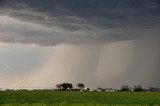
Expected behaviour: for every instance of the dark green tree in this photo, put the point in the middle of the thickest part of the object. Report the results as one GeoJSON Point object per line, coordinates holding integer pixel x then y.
{"type": "Point", "coordinates": [138, 88]}
{"type": "Point", "coordinates": [66, 86]}
{"type": "Point", "coordinates": [125, 88]}
{"type": "Point", "coordinates": [80, 85]}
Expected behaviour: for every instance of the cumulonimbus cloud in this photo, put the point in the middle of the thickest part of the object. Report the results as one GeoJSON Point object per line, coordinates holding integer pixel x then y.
{"type": "Point", "coordinates": [65, 22]}
{"type": "Point", "coordinates": [15, 31]}
{"type": "Point", "coordinates": [127, 31]}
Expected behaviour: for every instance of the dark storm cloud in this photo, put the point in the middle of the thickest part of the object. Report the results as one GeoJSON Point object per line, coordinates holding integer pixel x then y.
{"type": "Point", "coordinates": [81, 21]}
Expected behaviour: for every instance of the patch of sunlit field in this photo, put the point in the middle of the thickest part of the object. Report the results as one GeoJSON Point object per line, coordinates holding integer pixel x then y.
{"type": "Point", "coordinates": [76, 98]}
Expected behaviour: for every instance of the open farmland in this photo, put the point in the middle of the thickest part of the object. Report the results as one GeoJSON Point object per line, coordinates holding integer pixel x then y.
{"type": "Point", "coordinates": [73, 98]}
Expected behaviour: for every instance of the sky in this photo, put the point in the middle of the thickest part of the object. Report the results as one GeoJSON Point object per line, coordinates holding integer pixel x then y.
{"type": "Point", "coordinates": [101, 43]}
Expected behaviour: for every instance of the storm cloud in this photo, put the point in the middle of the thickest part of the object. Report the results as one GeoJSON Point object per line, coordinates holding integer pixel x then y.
{"type": "Point", "coordinates": [54, 22]}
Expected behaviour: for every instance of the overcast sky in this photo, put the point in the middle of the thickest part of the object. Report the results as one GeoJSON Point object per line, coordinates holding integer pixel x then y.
{"type": "Point", "coordinates": [103, 43]}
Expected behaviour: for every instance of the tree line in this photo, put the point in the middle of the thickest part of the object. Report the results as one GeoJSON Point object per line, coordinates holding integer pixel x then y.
{"type": "Point", "coordinates": [68, 86]}
{"type": "Point", "coordinates": [124, 88]}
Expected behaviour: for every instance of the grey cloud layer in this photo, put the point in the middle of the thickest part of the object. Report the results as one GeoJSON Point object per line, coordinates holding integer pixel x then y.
{"type": "Point", "coordinates": [56, 21]}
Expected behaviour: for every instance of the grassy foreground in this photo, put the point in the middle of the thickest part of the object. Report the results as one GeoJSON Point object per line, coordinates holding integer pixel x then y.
{"type": "Point", "coordinates": [59, 98]}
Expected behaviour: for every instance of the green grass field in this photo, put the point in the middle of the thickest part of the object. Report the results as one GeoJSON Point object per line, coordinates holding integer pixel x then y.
{"type": "Point", "coordinates": [73, 98]}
